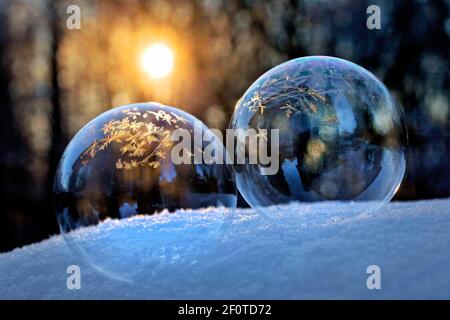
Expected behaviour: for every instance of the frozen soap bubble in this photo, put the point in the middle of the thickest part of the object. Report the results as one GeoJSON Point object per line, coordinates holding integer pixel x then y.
{"type": "Point", "coordinates": [127, 164]}
{"type": "Point", "coordinates": [341, 137]}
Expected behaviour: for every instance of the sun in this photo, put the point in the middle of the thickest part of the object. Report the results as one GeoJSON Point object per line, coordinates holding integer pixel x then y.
{"type": "Point", "coordinates": [157, 60]}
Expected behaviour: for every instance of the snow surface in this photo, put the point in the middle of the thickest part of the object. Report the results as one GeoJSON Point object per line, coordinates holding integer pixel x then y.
{"type": "Point", "coordinates": [297, 252]}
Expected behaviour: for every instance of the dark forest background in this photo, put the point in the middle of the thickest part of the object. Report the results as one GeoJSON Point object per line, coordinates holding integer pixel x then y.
{"type": "Point", "coordinates": [53, 80]}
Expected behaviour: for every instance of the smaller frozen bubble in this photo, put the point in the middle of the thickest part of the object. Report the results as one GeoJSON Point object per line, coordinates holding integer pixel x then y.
{"type": "Point", "coordinates": [120, 165]}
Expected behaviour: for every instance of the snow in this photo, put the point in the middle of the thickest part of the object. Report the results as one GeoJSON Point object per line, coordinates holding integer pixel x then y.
{"type": "Point", "coordinates": [294, 252]}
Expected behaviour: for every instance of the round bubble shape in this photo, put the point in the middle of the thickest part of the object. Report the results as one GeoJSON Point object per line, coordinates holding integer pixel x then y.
{"type": "Point", "coordinates": [318, 129]}
{"type": "Point", "coordinates": [128, 164]}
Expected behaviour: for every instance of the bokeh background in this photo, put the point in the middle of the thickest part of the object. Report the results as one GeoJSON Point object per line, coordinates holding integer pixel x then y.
{"type": "Point", "coordinates": [53, 80]}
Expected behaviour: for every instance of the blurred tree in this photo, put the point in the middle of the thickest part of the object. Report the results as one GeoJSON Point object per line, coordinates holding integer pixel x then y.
{"type": "Point", "coordinates": [12, 151]}
{"type": "Point", "coordinates": [58, 140]}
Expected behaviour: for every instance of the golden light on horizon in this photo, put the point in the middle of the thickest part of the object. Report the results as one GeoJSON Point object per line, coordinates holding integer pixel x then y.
{"type": "Point", "coordinates": [157, 60]}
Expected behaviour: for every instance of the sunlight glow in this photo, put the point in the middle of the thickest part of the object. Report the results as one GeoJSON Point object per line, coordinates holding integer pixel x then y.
{"type": "Point", "coordinates": [157, 60]}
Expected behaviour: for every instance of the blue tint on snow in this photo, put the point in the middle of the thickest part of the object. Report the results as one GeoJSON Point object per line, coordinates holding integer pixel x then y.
{"type": "Point", "coordinates": [314, 251]}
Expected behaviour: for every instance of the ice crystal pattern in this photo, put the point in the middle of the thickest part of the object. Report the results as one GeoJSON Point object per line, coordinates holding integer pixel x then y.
{"type": "Point", "coordinates": [139, 136]}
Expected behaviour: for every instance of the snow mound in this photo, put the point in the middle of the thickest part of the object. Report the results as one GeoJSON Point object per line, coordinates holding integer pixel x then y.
{"type": "Point", "coordinates": [310, 251]}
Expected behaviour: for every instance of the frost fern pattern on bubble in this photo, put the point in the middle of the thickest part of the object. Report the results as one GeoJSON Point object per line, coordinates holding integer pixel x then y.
{"type": "Point", "coordinates": [298, 100]}
{"type": "Point", "coordinates": [294, 91]}
{"type": "Point", "coordinates": [142, 141]}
